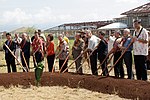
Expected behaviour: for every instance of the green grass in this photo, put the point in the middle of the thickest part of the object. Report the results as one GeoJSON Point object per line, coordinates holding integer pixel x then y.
{"type": "Point", "coordinates": [1, 44]}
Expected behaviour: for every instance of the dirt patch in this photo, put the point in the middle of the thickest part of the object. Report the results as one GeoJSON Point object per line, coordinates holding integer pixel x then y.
{"type": "Point", "coordinates": [125, 88]}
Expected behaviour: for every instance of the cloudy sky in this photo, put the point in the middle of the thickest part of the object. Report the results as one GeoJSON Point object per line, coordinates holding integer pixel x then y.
{"type": "Point", "coordinates": [48, 13]}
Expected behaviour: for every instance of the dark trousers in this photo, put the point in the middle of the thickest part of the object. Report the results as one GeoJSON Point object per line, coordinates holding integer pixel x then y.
{"type": "Point", "coordinates": [104, 65]}
{"type": "Point", "coordinates": [11, 64]}
{"type": "Point", "coordinates": [118, 68]}
{"type": "Point", "coordinates": [148, 64]}
{"type": "Point", "coordinates": [79, 65]}
{"type": "Point", "coordinates": [50, 60]}
{"type": "Point", "coordinates": [128, 62]}
{"type": "Point", "coordinates": [93, 61]}
{"type": "Point", "coordinates": [23, 62]}
{"type": "Point", "coordinates": [140, 67]}
{"type": "Point", "coordinates": [61, 62]}
{"type": "Point", "coordinates": [38, 58]}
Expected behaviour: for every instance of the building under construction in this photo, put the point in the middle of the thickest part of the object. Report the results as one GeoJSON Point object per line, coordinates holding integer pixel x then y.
{"type": "Point", "coordinates": [141, 12]}
{"type": "Point", "coordinates": [73, 27]}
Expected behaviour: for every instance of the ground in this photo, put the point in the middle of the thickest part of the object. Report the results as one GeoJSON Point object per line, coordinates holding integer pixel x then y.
{"type": "Point", "coordinates": [125, 88]}
{"type": "Point", "coordinates": [53, 93]}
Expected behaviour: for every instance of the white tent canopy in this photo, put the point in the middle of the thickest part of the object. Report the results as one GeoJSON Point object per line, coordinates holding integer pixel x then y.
{"type": "Point", "coordinates": [116, 25]}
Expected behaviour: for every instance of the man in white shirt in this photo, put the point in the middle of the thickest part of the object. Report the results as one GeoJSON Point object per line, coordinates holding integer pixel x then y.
{"type": "Point", "coordinates": [93, 42]}
{"type": "Point", "coordinates": [140, 47]}
{"type": "Point", "coordinates": [111, 40]}
{"type": "Point", "coordinates": [17, 40]}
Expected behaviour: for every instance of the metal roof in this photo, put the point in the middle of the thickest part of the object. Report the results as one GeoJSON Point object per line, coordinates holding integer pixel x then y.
{"type": "Point", "coordinates": [141, 9]}
{"type": "Point", "coordinates": [116, 25]}
{"type": "Point", "coordinates": [99, 23]}
{"type": "Point", "coordinates": [95, 24]}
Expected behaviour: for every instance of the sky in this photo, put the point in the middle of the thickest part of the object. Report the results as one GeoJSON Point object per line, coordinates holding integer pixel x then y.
{"type": "Point", "coordinates": [44, 14]}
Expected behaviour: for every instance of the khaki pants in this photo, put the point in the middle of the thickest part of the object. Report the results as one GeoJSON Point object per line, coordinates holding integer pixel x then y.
{"type": "Point", "coordinates": [17, 54]}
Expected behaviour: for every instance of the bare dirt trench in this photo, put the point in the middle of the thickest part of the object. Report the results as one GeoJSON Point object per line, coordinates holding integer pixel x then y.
{"type": "Point", "coordinates": [125, 88]}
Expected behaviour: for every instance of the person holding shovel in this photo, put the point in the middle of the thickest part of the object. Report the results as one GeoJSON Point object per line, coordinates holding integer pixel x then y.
{"type": "Point", "coordinates": [102, 52]}
{"type": "Point", "coordinates": [38, 55]}
{"type": "Point", "coordinates": [50, 52]}
{"type": "Point", "coordinates": [92, 49]}
{"type": "Point", "coordinates": [63, 53]}
{"type": "Point", "coordinates": [118, 68]}
{"type": "Point", "coordinates": [127, 57]}
{"type": "Point", "coordinates": [10, 59]}
{"type": "Point", "coordinates": [25, 52]}
{"type": "Point", "coordinates": [77, 49]}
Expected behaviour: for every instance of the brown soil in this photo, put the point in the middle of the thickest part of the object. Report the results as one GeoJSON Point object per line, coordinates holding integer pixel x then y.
{"type": "Point", "coordinates": [131, 89]}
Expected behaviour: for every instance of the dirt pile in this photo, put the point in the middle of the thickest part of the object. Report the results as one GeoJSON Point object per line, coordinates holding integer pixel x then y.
{"type": "Point", "coordinates": [125, 88]}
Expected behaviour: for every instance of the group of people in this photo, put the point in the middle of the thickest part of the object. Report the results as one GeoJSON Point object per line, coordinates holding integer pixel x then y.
{"type": "Point", "coordinates": [85, 43]}
{"type": "Point", "coordinates": [18, 50]}
{"type": "Point", "coordinates": [122, 47]}
{"type": "Point", "coordinates": [20, 47]}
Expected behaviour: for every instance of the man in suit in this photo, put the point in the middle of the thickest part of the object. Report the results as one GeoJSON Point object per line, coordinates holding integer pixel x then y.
{"type": "Point", "coordinates": [77, 49]}
{"type": "Point", "coordinates": [10, 59]}
{"type": "Point", "coordinates": [25, 51]}
{"type": "Point", "coordinates": [102, 53]}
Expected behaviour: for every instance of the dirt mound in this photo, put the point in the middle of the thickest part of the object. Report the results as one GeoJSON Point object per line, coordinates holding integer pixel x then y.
{"type": "Point", "coordinates": [125, 88]}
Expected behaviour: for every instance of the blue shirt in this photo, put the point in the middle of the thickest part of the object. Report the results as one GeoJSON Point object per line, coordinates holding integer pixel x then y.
{"type": "Point", "coordinates": [127, 42]}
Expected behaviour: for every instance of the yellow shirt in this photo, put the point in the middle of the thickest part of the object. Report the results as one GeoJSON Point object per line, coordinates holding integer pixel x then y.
{"type": "Point", "coordinates": [66, 39]}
